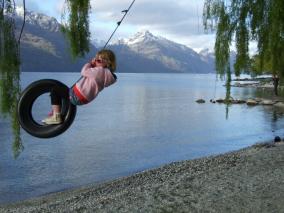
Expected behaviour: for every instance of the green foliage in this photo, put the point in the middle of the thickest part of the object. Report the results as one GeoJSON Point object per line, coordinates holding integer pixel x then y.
{"type": "Point", "coordinates": [77, 29]}
{"type": "Point", "coordinates": [260, 68]}
{"type": "Point", "coordinates": [244, 21]}
{"type": "Point", "coordinates": [77, 32]}
{"type": "Point", "coordinates": [9, 63]}
{"type": "Point", "coordinates": [9, 70]}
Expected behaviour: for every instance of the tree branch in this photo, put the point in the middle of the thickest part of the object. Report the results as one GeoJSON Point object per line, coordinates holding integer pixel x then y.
{"type": "Point", "coordinates": [3, 5]}
{"type": "Point", "coordinates": [24, 5]}
{"type": "Point", "coordinates": [14, 5]}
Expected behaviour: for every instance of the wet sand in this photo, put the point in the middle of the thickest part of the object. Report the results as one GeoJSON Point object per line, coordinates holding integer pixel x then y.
{"type": "Point", "coordinates": [248, 180]}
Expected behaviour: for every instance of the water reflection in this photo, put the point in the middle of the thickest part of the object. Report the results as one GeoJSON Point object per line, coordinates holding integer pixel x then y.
{"type": "Point", "coordinates": [228, 96]}
{"type": "Point", "coordinates": [10, 77]}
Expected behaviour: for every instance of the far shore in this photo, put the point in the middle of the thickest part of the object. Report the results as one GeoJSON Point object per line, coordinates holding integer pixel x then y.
{"type": "Point", "coordinates": [248, 180]}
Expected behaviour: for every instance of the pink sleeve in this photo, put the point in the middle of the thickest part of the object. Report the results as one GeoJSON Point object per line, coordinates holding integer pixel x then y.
{"type": "Point", "coordinates": [86, 70]}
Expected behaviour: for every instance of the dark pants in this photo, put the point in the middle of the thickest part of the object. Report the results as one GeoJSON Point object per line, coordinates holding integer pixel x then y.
{"type": "Point", "coordinates": [57, 93]}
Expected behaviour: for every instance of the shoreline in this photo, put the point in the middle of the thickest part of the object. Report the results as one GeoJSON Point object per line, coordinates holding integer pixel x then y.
{"type": "Point", "coordinates": [247, 180]}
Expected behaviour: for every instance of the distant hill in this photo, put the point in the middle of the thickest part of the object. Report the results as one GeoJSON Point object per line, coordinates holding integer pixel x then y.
{"type": "Point", "coordinates": [43, 46]}
{"type": "Point", "coordinates": [45, 49]}
{"type": "Point", "coordinates": [172, 56]}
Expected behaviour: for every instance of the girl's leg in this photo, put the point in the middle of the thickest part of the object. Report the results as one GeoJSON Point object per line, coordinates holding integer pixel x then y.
{"type": "Point", "coordinates": [56, 94]}
{"type": "Point", "coordinates": [56, 108]}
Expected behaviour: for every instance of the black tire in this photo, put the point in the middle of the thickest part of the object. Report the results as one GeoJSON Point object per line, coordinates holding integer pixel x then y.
{"type": "Point", "coordinates": [26, 101]}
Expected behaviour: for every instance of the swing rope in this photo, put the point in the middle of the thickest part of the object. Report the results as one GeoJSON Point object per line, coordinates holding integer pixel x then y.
{"type": "Point", "coordinates": [119, 22]}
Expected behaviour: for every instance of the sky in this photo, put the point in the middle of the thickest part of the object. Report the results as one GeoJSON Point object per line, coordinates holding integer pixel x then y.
{"type": "Point", "coordinates": [176, 20]}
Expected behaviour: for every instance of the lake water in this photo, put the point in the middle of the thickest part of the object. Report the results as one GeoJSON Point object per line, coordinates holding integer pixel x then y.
{"type": "Point", "coordinates": [141, 122]}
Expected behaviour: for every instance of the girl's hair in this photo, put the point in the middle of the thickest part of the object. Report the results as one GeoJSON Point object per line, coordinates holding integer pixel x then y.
{"type": "Point", "coordinates": [109, 57]}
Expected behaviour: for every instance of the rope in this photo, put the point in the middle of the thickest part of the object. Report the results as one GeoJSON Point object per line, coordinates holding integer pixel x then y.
{"type": "Point", "coordinates": [119, 22]}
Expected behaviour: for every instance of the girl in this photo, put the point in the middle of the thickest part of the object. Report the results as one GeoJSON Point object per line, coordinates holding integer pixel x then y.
{"type": "Point", "coordinates": [96, 75]}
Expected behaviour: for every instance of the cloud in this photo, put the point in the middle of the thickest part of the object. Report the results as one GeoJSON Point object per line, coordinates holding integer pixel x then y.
{"type": "Point", "coordinates": [168, 15]}
{"type": "Point", "coordinates": [31, 5]}
{"type": "Point", "coordinates": [51, 8]}
{"type": "Point", "coordinates": [179, 20]}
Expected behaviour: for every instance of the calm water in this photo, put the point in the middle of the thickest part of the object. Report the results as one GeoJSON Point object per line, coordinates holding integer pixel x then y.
{"type": "Point", "coordinates": [142, 122]}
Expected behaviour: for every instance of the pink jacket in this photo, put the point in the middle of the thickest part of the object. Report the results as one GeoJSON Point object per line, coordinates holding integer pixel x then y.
{"type": "Point", "coordinates": [94, 80]}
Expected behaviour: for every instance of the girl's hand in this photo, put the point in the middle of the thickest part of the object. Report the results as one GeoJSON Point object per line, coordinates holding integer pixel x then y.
{"type": "Point", "coordinates": [93, 62]}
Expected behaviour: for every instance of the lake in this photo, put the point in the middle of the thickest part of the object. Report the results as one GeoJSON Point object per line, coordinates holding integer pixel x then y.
{"type": "Point", "coordinates": [141, 122]}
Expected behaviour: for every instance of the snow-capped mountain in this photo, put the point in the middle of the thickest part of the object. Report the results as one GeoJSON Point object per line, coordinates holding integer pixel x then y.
{"type": "Point", "coordinates": [208, 57]}
{"type": "Point", "coordinates": [44, 48]}
{"type": "Point", "coordinates": [98, 43]}
{"type": "Point", "coordinates": [140, 37]}
{"type": "Point", "coordinates": [39, 19]}
{"type": "Point", "coordinates": [174, 56]}
{"type": "Point", "coordinates": [206, 53]}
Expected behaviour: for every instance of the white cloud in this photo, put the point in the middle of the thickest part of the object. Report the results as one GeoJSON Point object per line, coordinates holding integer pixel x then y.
{"type": "Point", "coordinates": [180, 20]}
{"type": "Point", "coordinates": [30, 5]}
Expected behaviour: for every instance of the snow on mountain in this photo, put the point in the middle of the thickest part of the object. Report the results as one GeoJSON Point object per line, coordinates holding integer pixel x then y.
{"type": "Point", "coordinates": [98, 43]}
{"type": "Point", "coordinates": [140, 37]}
{"type": "Point", "coordinates": [206, 52]}
{"type": "Point", "coordinates": [146, 37]}
{"type": "Point", "coordinates": [39, 19]}
{"type": "Point", "coordinates": [174, 56]}
{"type": "Point", "coordinates": [44, 48]}
{"type": "Point", "coordinates": [207, 56]}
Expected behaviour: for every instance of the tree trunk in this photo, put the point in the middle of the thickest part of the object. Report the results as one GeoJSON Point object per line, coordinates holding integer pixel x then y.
{"type": "Point", "coordinates": [275, 79]}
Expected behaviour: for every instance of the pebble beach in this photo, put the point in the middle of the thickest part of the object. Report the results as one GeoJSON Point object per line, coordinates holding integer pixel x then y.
{"type": "Point", "coordinates": [247, 180]}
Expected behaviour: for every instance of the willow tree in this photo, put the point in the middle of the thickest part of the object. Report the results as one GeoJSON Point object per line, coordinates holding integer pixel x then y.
{"type": "Point", "coordinates": [243, 21]}
{"type": "Point", "coordinates": [76, 28]}
{"type": "Point", "coordinates": [9, 69]}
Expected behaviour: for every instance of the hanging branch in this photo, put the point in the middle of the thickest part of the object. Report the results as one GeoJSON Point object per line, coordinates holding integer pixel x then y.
{"type": "Point", "coordinates": [259, 21]}
{"type": "Point", "coordinates": [3, 5]}
{"type": "Point", "coordinates": [24, 5]}
{"type": "Point", "coordinates": [77, 29]}
{"type": "Point", "coordinates": [14, 3]}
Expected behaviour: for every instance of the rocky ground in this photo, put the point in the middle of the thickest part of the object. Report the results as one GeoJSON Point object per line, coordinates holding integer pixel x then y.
{"type": "Point", "coordinates": [248, 180]}
{"type": "Point", "coordinates": [261, 83]}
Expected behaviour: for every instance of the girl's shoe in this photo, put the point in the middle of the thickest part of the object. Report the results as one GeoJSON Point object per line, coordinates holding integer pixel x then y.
{"type": "Point", "coordinates": [53, 119]}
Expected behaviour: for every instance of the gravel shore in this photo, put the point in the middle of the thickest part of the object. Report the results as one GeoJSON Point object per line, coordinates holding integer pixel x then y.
{"type": "Point", "coordinates": [248, 180]}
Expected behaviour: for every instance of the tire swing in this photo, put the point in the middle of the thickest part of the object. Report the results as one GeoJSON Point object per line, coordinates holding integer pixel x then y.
{"type": "Point", "coordinates": [25, 104]}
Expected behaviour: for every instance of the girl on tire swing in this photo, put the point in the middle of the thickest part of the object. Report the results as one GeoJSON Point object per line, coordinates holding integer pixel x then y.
{"type": "Point", "coordinates": [96, 75]}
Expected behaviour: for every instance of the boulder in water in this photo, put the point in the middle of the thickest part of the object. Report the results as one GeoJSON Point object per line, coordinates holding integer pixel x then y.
{"type": "Point", "coordinates": [200, 101]}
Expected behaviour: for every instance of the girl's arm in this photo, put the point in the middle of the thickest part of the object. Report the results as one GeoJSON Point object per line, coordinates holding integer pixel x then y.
{"type": "Point", "coordinates": [86, 70]}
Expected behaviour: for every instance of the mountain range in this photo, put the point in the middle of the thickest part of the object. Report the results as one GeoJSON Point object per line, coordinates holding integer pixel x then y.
{"type": "Point", "coordinates": [45, 49]}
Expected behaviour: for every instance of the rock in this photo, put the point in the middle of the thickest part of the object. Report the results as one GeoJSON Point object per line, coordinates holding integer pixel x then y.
{"type": "Point", "coordinates": [237, 84]}
{"type": "Point", "coordinates": [279, 104]}
{"type": "Point", "coordinates": [220, 100]}
{"type": "Point", "coordinates": [251, 102]}
{"type": "Point", "coordinates": [200, 101]}
{"type": "Point", "coordinates": [258, 99]}
{"type": "Point", "coordinates": [277, 139]}
{"type": "Point", "coordinates": [238, 101]}
{"type": "Point", "coordinates": [267, 102]}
